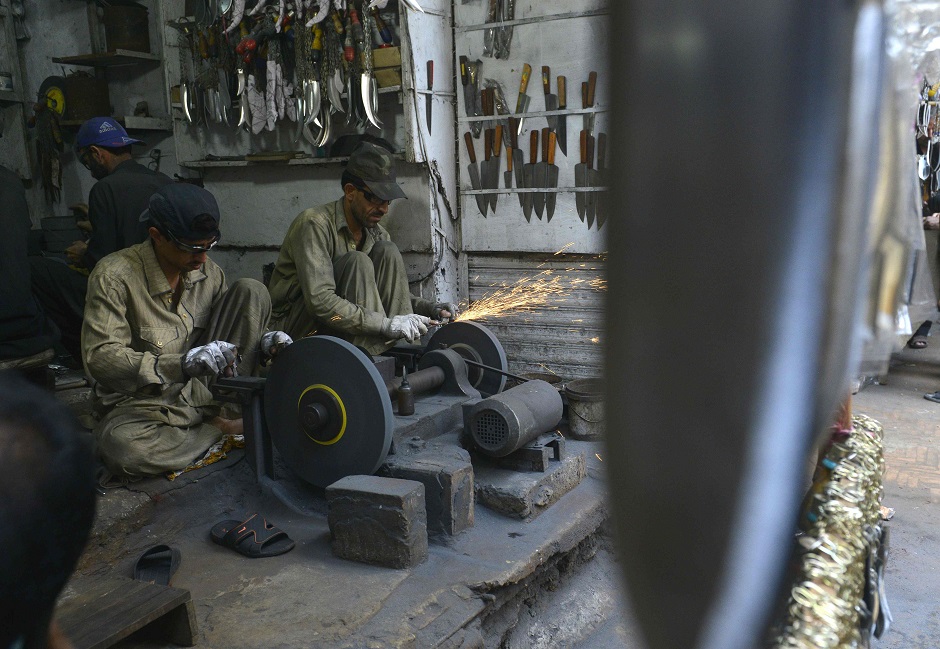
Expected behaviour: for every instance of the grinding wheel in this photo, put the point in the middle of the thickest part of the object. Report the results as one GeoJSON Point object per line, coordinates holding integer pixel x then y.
{"type": "Point", "coordinates": [327, 410]}
{"type": "Point", "coordinates": [52, 89]}
{"type": "Point", "coordinates": [474, 342]}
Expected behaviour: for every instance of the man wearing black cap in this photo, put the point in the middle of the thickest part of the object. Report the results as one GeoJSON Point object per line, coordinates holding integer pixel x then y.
{"type": "Point", "coordinates": [338, 271]}
{"type": "Point", "coordinates": [160, 322]}
{"type": "Point", "coordinates": [114, 206]}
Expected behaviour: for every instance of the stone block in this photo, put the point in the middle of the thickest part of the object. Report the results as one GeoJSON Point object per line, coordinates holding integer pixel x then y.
{"type": "Point", "coordinates": [525, 495]}
{"type": "Point", "coordinates": [448, 488]}
{"type": "Point", "coordinates": [378, 520]}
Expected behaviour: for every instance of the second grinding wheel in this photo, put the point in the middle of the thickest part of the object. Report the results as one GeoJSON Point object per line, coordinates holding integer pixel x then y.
{"type": "Point", "coordinates": [327, 410]}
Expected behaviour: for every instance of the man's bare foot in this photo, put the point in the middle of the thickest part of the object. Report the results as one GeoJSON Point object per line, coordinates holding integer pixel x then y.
{"type": "Point", "coordinates": [228, 426]}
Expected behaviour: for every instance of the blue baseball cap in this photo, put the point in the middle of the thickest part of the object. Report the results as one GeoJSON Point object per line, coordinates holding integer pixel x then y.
{"type": "Point", "coordinates": [175, 207]}
{"type": "Point", "coordinates": [103, 132]}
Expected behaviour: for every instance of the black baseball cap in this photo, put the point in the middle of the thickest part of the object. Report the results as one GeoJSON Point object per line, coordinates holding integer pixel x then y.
{"type": "Point", "coordinates": [375, 167]}
{"type": "Point", "coordinates": [176, 206]}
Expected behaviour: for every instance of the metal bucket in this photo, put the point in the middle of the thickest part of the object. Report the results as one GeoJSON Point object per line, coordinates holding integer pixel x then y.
{"type": "Point", "coordinates": [126, 27]}
{"type": "Point", "coordinates": [585, 408]}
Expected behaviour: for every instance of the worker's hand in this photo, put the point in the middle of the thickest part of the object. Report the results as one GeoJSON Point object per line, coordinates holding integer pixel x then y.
{"type": "Point", "coordinates": [76, 251]}
{"type": "Point", "coordinates": [213, 359]}
{"type": "Point", "coordinates": [273, 342]}
{"type": "Point", "coordinates": [410, 327]}
{"type": "Point", "coordinates": [932, 222]}
{"type": "Point", "coordinates": [84, 225]}
{"type": "Point", "coordinates": [445, 311]}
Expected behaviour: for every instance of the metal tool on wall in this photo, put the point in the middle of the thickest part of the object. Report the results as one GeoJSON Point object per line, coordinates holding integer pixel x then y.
{"type": "Point", "coordinates": [474, 172]}
{"type": "Point", "coordinates": [528, 174]}
{"type": "Point", "coordinates": [551, 101]}
{"type": "Point", "coordinates": [562, 124]}
{"type": "Point", "coordinates": [474, 70]}
{"type": "Point", "coordinates": [488, 178]}
{"type": "Point", "coordinates": [602, 197]}
{"type": "Point", "coordinates": [429, 98]}
{"type": "Point", "coordinates": [590, 202]}
{"type": "Point", "coordinates": [468, 92]}
{"type": "Point", "coordinates": [494, 165]}
{"type": "Point", "coordinates": [541, 175]}
{"type": "Point", "coordinates": [507, 175]}
{"type": "Point", "coordinates": [518, 160]}
{"type": "Point", "coordinates": [587, 100]}
{"type": "Point", "coordinates": [581, 177]}
{"type": "Point", "coordinates": [522, 102]}
{"type": "Point", "coordinates": [552, 172]}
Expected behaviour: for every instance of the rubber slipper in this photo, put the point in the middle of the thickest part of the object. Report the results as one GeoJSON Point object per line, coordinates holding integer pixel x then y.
{"type": "Point", "coordinates": [933, 396]}
{"type": "Point", "coordinates": [253, 537]}
{"type": "Point", "coordinates": [917, 342]}
{"type": "Point", "coordinates": [157, 565]}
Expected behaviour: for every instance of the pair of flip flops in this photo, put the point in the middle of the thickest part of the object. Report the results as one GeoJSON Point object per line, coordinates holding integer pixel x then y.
{"type": "Point", "coordinates": [253, 537]}
{"type": "Point", "coordinates": [157, 565]}
{"type": "Point", "coordinates": [919, 339]}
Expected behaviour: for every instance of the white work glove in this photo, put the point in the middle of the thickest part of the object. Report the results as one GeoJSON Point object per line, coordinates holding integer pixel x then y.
{"type": "Point", "coordinates": [211, 359]}
{"type": "Point", "coordinates": [410, 327]}
{"type": "Point", "coordinates": [273, 342]}
{"type": "Point", "coordinates": [445, 306]}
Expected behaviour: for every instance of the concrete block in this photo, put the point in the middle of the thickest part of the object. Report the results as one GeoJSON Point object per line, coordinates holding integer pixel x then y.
{"type": "Point", "coordinates": [378, 520]}
{"type": "Point", "coordinates": [525, 495]}
{"type": "Point", "coordinates": [448, 488]}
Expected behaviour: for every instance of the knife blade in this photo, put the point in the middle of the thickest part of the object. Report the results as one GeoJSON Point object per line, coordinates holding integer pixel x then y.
{"type": "Point", "coordinates": [580, 177]}
{"type": "Point", "coordinates": [494, 165]}
{"type": "Point", "coordinates": [467, 88]}
{"type": "Point", "coordinates": [552, 178]}
{"type": "Point", "coordinates": [551, 101]}
{"type": "Point", "coordinates": [507, 175]}
{"type": "Point", "coordinates": [562, 127]}
{"type": "Point", "coordinates": [528, 173]}
{"type": "Point", "coordinates": [590, 201]}
{"type": "Point", "coordinates": [486, 166]}
{"type": "Point", "coordinates": [518, 161]}
{"type": "Point", "coordinates": [522, 101]}
{"type": "Point", "coordinates": [429, 98]}
{"type": "Point", "coordinates": [602, 199]}
{"type": "Point", "coordinates": [587, 100]}
{"type": "Point", "coordinates": [474, 70]}
{"type": "Point", "coordinates": [541, 175]}
{"type": "Point", "coordinates": [474, 172]}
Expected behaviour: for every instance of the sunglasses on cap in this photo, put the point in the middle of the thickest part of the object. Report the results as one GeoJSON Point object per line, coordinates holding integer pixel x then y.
{"type": "Point", "coordinates": [185, 247]}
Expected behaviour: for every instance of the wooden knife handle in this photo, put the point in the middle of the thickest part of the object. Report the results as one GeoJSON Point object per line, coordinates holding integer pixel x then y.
{"type": "Point", "coordinates": [551, 148]}
{"type": "Point", "coordinates": [487, 143]}
{"type": "Point", "coordinates": [498, 141]}
{"type": "Point", "coordinates": [490, 101]}
{"type": "Point", "coordinates": [592, 82]}
{"type": "Point", "coordinates": [602, 150]}
{"type": "Point", "coordinates": [526, 73]}
{"type": "Point", "coordinates": [469, 140]}
{"type": "Point", "coordinates": [546, 80]}
{"type": "Point", "coordinates": [562, 101]}
{"type": "Point", "coordinates": [583, 146]}
{"type": "Point", "coordinates": [545, 133]}
{"type": "Point", "coordinates": [534, 147]}
{"type": "Point", "coordinates": [584, 94]}
{"type": "Point", "coordinates": [590, 151]}
{"type": "Point", "coordinates": [513, 132]}
{"type": "Point", "coordinates": [509, 158]}
{"type": "Point", "coordinates": [430, 75]}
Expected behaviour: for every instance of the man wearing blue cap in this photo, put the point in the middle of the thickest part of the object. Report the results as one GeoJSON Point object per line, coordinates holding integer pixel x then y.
{"type": "Point", "coordinates": [114, 205]}
{"type": "Point", "coordinates": [160, 324]}
{"type": "Point", "coordinates": [338, 271]}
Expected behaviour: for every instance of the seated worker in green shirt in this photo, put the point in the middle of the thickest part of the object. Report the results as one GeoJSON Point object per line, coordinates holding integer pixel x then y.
{"type": "Point", "coordinates": [338, 271]}
{"type": "Point", "coordinates": [160, 324]}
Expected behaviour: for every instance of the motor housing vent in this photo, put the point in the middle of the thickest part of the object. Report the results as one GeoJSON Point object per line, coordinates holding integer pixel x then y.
{"type": "Point", "coordinates": [509, 420]}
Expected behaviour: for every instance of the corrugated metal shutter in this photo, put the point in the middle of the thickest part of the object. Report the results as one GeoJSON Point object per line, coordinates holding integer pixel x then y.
{"type": "Point", "coordinates": [563, 338]}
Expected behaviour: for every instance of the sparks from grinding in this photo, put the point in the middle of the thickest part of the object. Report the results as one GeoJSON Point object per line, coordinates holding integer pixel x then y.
{"type": "Point", "coordinates": [565, 247]}
{"type": "Point", "coordinates": [528, 294]}
{"type": "Point", "coordinates": [595, 339]}
{"type": "Point", "coordinates": [548, 369]}
{"type": "Point", "coordinates": [336, 317]}
{"type": "Point", "coordinates": [598, 457]}
{"type": "Point", "coordinates": [598, 284]}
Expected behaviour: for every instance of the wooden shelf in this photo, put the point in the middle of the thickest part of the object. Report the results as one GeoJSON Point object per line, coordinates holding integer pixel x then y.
{"type": "Point", "coordinates": [306, 160]}
{"type": "Point", "coordinates": [132, 122]}
{"type": "Point", "coordinates": [108, 59]}
{"type": "Point", "coordinates": [9, 96]}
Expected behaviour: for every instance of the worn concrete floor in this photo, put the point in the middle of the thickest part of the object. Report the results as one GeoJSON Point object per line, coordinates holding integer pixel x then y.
{"type": "Point", "coordinates": [309, 598]}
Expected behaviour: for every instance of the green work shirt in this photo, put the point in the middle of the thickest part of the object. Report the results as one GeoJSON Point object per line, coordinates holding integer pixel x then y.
{"type": "Point", "coordinates": [304, 271]}
{"type": "Point", "coordinates": [133, 339]}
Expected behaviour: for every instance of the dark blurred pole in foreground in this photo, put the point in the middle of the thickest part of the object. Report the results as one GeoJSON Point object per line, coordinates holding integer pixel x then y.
{"type": "Point", "coordinates": [735, 256]}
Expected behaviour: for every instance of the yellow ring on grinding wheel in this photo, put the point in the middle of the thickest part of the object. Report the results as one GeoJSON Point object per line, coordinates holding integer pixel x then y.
{"type": "Point", "coordinates": [342, 410]}
{"type": "Point", "coordinates": [55, 100]}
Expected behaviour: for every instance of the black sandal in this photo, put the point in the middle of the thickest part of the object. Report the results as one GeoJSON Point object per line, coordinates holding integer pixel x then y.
{"type": "Point", "coordinates": [253, 537]}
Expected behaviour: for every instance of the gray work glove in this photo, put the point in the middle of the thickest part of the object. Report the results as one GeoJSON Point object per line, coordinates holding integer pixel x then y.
{"type": "Point", "coordinates": [211, 359]}
{"type": "Point", "coordinates": [410, 327]}
{"type": "Point", "coordinates": [445, 306]}
{"type": "Point", "coordinates": [273, 342]}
